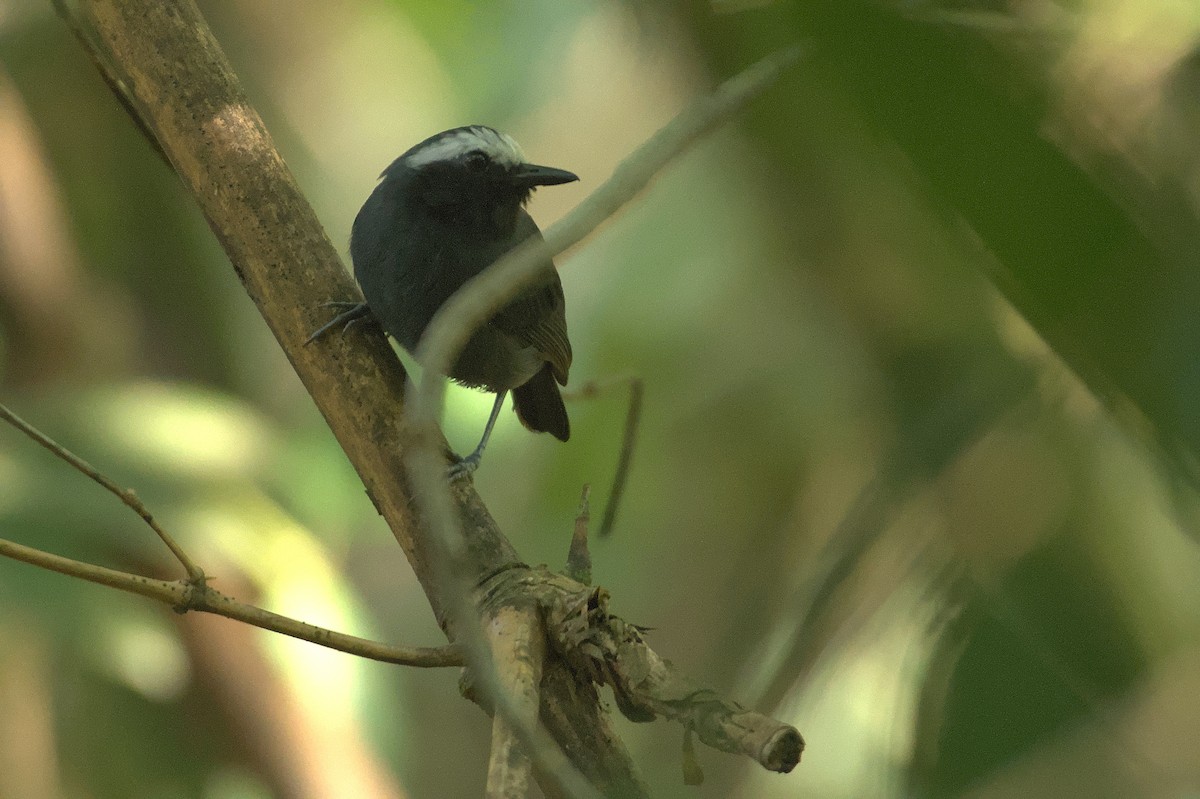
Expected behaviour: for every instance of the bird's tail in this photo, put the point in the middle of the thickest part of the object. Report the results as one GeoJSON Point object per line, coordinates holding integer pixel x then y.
{"type": "Point", "coordinates": [540, 407]}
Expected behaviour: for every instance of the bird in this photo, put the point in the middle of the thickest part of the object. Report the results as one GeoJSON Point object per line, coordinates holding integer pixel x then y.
{"type": "Point", "coordinates": [440, 214]}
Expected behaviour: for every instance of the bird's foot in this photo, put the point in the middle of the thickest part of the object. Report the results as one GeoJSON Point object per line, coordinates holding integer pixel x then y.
{"type": "Point", "coordinates": [349, 314]}
{"type": "Point", "coordinates": [463, 468]}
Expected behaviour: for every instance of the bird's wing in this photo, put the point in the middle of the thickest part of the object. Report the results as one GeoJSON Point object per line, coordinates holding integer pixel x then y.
{"type": "Point", "coordinates": [538, 314]}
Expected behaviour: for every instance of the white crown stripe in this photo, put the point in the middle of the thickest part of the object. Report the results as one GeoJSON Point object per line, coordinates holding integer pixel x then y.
{"type": "Point", "coordinates": [498, 146]}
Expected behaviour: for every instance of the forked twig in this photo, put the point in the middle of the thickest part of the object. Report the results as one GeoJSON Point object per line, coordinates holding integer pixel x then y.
{"type": "Point", "coordinates": [194, 593]}
{"type": "Point", "coordinates": [127, 496]}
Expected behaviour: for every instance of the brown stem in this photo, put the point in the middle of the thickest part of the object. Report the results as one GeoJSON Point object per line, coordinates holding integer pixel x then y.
{"type": "Point", "coordinates": [186, 596]}
{"type": "Point", "coordinates": [633, 417]}
{"type": "Point", "coordinates": [579, 558]}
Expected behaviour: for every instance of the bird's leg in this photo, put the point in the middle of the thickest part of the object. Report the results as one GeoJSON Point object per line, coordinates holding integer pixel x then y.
{"type": "Point", "coordinates": [351, 313]}
{"type": "Point", "coordinates": [469, 464]}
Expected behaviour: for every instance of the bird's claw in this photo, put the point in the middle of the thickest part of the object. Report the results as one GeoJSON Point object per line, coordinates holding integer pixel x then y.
{"type": "Point", "coordinates": [349, 314]}
{"type": "Point", "coordinates": [463, 468]}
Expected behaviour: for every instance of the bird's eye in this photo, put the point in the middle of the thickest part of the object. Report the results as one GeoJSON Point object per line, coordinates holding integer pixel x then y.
{"type": "Point", "coordinates": [477, 160]}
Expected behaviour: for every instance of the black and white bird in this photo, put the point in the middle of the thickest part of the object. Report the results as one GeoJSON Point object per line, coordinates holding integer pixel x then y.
{"type": "Point", "coordinates": [443, 212]}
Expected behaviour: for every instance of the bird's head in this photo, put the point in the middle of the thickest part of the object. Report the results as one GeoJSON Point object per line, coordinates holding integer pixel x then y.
{"type": "Point", "coordinates": [472, 172]}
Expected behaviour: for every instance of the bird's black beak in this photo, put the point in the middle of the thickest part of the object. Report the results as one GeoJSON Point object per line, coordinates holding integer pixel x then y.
{"type": "Point", "coordinates": [529, 175]}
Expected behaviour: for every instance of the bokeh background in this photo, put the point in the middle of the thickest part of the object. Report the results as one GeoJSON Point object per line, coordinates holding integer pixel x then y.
{"type": "Point", "coordinates": [917, 469]}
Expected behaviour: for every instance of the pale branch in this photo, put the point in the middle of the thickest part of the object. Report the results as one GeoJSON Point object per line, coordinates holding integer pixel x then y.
{"type": "Point", "coordinates": [184, 596]}
{"type": "Point", "coordinates": [509, 769]}
{"type": "Point", "coordinates": [127, 497]}
{"type": "Point", "coordinates": [518, 645]}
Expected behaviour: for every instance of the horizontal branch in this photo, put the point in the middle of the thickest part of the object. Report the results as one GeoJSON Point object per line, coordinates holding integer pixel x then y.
{"type": "Point", "coordinates": [184, 596]}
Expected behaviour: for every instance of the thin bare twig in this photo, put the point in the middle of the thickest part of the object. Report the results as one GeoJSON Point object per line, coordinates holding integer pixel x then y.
{"type": "Point", "coordinates": [633, 417]}
{"type": "Point", "coordinates": [185, 595]}
{"type": "Point", "coordinates": [127, 497]}
{"type": "Point", "coordinates": [193, 593]}
{"type": "Point", "coordinates": [579, 559]}
{"type": "Point", "coordinates": [621, 476]}
{"type": "Point", "coordinates": [476, 302]}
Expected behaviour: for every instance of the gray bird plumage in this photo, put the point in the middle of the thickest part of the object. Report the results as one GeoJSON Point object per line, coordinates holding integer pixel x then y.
{"type": "Point", "coordinates": [441, 213]}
